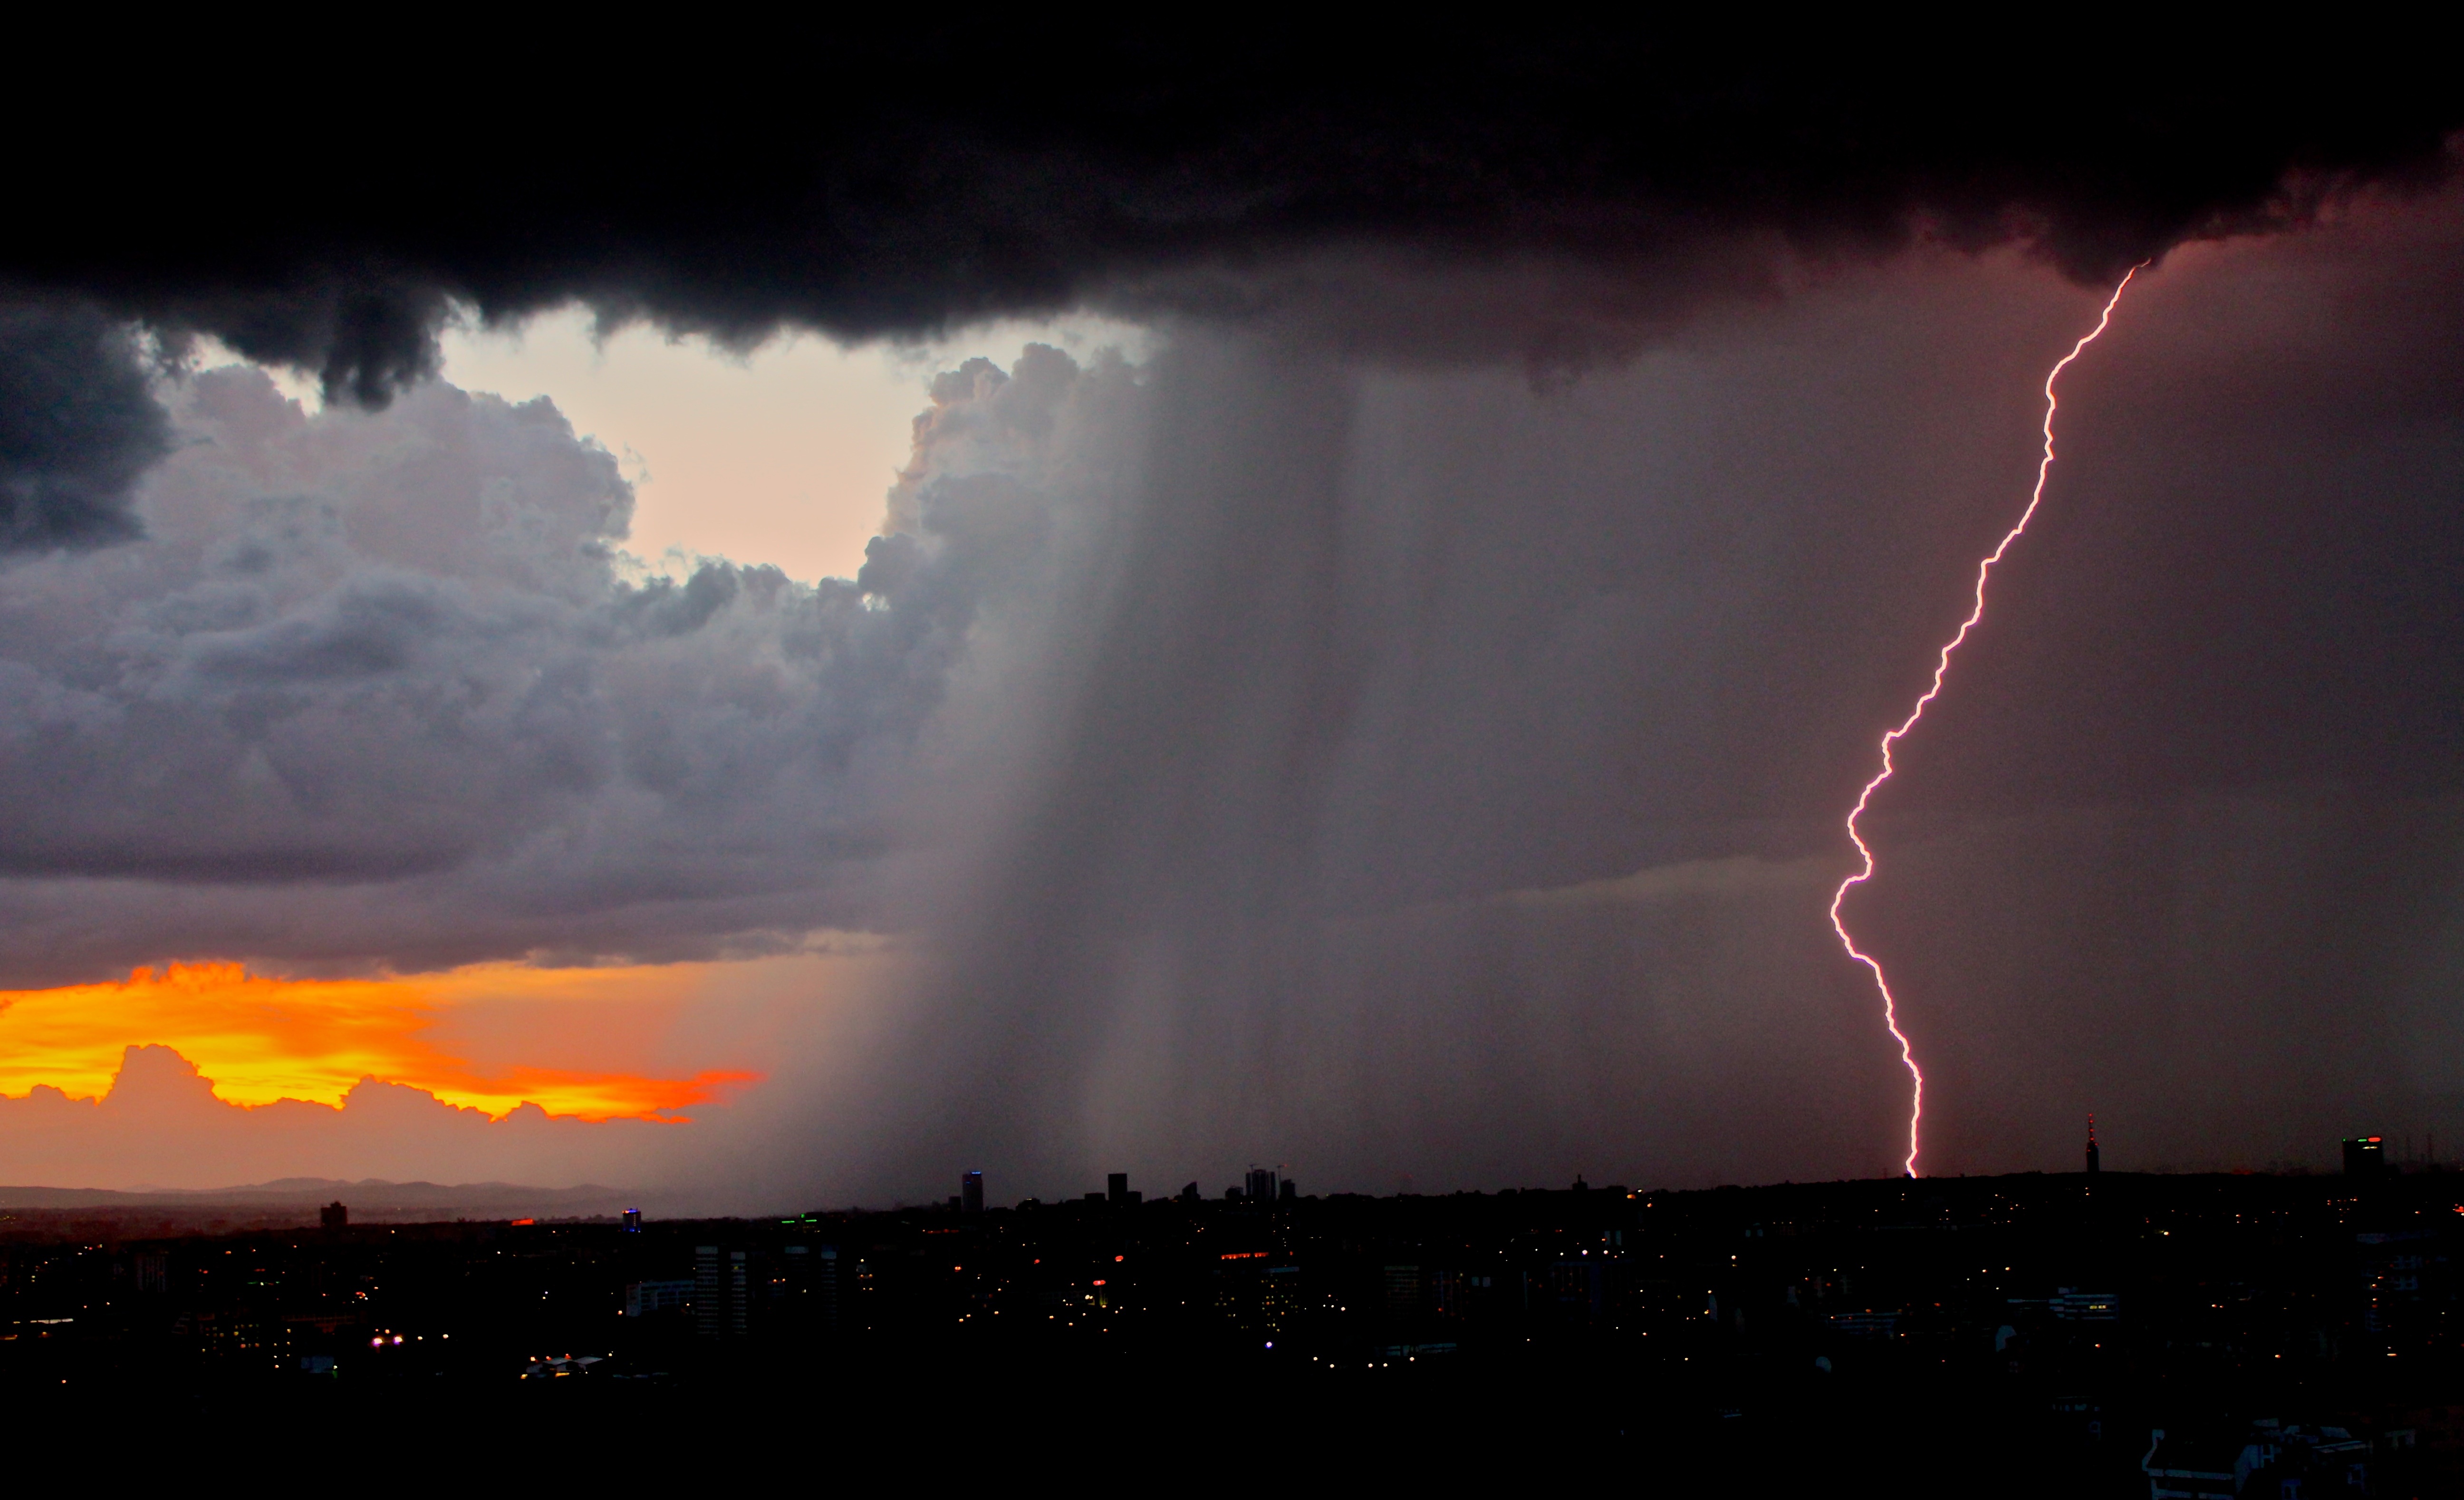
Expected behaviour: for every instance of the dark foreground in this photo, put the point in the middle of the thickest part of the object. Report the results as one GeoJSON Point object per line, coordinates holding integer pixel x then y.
{"type": "Point", "coordinates": [2011, 1335]}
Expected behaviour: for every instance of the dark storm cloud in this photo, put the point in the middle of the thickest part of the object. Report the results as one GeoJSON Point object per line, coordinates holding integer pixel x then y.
{"type": "Point", "coordinates": [2287, 587]}
{"type": "Point", "coordinates": [78, 423]}
{"type": "Point", "coordinates": [888, 177]}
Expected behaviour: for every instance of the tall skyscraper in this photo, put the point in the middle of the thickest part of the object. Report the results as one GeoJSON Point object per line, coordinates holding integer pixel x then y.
{"type": "Point", "coordinates": [1261, 1188]}
{"type": "Point", "coordinates": [2364, 1156]}
{"type": "Point", "coordinates": [2095, 1157]}
{"type": "Point", "coordinates": [971, 1193]}
{"type": "Point", "coordinates": [723, 1288]}
{"type": "Point", "coordinates": [710, 1293]}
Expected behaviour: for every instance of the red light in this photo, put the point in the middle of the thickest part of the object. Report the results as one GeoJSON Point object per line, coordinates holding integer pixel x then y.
{"type": "Point", "coordinates": [1099, 1280]}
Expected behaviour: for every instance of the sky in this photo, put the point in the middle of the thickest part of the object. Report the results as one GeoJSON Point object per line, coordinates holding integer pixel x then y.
{"type": "Point", "coordinates": [782, 454]}
{"type": "Point", "coordinates": [1084, 649]}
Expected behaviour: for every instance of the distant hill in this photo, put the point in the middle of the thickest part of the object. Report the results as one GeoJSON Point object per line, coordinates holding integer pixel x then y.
{"type": "Point", "coordinates": [308, 1190]}
{"type": "Point", "coordinates": [296, 1200]}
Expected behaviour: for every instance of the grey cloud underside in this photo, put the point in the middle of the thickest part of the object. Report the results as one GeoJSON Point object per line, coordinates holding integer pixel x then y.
{"type": "Point", "coordinates": [894, 177]}
{"type": "Point", "coordinates": [375, 687]}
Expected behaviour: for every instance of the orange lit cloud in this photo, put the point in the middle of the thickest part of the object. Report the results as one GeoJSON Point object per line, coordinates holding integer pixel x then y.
{"type": "Point", "coordinates": [262, 1039]}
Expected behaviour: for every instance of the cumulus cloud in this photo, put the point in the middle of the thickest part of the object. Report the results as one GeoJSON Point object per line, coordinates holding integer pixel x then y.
{"type": "Point", "coordinates": [381, 688]}
{"type": "Point", "coordinates": [951, 172]}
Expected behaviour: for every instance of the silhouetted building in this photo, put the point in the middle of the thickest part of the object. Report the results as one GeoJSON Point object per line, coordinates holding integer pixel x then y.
{"type": "Point", "coordinates": [808, 1284]}
{"type": "Point", "coordinates": [2270, 1458]}
{"type": "Point", "coordinates": [1402, 1292]}
{"type": "Point", "coordinates": [2406, 1280]}
{"type": "Point", "coordinates": [2206, 1467]}
{"type": "Point", "coordinates": [1288, 1191]}
{"type": "Point", "coordinates": [709, 1291]}
{"type": "Point", "coordinates": [723, 1292]}
{"type": "Point", "coordinates": [826, 1286]}
{"type": "Point", "coordinates": [632, 1221]}
{"type": "Point", "coordinates": [971, 1193]}
{"type": "Point", "coordinates": [1260, 1186]}
{"type": "Point", "coordinates": [1258, 1297]}
{"type": "Point", "coordinates": [2095, 1157]}
{"type": "Point", "coordinates": [643, 1298]}
{"type": "Point", "coordinates": [2074, 1306]}
{"type": "Point", "coordinates": [333, 1216]}
{"type": "Point", "coordinates": [2364, 1156]}
{"type": "Point", "coordinates": [1116, 1186]}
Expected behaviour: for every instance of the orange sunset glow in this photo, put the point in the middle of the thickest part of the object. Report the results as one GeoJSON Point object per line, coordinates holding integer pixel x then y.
{"type": "Point", "coordinates": [262, 1039]}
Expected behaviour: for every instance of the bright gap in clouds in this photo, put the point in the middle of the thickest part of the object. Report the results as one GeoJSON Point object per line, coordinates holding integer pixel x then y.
{"type": "Point", "coordinates": [781, 456]}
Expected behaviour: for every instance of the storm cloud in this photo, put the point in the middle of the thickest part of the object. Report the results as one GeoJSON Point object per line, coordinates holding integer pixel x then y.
{"type": "Point", "coordinates": [380, 689]}
{"type": "Point", "coordinates": [888, 177]}
{"type": "Point", "coordinates": [1399, 771]}
{"type": "Point", "coordinates": [78, 427]}
{"type": "Point", "coordinates": [1445, 783]}
{"type": "Point", "coordinates": [1322, 742]}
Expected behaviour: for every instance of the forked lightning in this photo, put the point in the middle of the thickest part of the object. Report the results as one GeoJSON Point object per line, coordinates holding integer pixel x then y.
{"type": "Point", "coordinates": [1941, 667]}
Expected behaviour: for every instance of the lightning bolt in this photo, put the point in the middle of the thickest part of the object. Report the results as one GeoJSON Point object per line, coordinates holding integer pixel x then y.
{"type": "Point", "coordinates": [1941, 669]}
